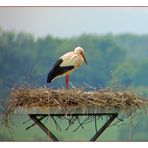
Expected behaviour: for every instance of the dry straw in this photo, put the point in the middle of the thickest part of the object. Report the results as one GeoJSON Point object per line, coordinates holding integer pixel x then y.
{"type": "Point", "coordinates": [125, 101]}
{"type": "Point", "coordinates": [63, 99]}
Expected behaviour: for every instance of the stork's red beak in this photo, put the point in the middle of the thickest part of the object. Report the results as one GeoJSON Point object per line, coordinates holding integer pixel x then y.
{"type": "Point", "coordinates": [84, 58]}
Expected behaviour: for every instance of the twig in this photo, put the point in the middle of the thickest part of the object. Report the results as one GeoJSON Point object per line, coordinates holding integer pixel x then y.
{"type": "Point", "coordinates": [72, 85]}
{"type": "Point", "coordinates": [89, 86]}
{"type": "Point", "coordinates": [26, 121]}
{"type": "Point", "coordinates": [114, 124]}
{"type": "Point", "coordinates": [66, 119]}
{"type": "Point", "coordinates": [123, 124]}
{"type": "Point", "coordinates": [80, 125]}
{"type": "Point", "coordinates": [95, 124]}
{"type": "Point", "coordinates": [70, 123]}
{"type": "Point", "coordinates": [80, 122]}
{"type": "Point", "coordinates": [130, 127]}
{"type": "Point", "coordinates": [46, 120]}
{"type": "Point", "coordinates": [100, 86]}
{"type": "Point", "coordinates": [89, 121]}
{"type": "Point", "coordinates": [42, 117]}
{"type": "Point", "coordinates": [119, 119]}
{"type": "Point", "coordinates": [56, 124]}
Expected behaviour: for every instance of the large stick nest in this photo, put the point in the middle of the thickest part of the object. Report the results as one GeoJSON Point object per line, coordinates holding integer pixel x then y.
{"type": "Point", "coordinates": [63, 99]}
{"type": "Point", "coordinates": [126, 101]}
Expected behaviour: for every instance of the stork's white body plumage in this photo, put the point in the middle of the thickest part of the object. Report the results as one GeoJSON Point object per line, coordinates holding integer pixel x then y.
{"type": "Point", "coordinates": [66, 64]}
{"type": "Point", "coordinates": [71, 58]}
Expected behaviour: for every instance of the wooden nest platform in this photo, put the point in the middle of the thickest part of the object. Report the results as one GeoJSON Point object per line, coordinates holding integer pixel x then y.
{"type": "Point", "coordinates": [69, 105]}
{"type": "Point", "coordinates": [49, 101]}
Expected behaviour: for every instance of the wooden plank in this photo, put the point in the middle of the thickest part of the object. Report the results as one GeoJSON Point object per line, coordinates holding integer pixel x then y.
{"type": "Point", "coordinates": [39, 119]}
{"type": "Point", "coordinates": [56, 110]}
{"type": "Point", "coordinates": [38, 122]}
{"type": "Point", "coordinates": [101, 130]}
{"type": "Point", "coordinates": [43, 127]}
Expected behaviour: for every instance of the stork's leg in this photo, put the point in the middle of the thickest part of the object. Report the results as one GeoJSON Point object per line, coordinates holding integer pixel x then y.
{"type": "Point", "coordinates": [67, 81]}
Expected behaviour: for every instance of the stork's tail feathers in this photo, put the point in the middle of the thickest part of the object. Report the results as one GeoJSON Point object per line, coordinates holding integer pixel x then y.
{"type": "Point", "coordinates": [49, 77]}
{"type": "Point", "coordinates": [51, 74]}
{"type": "Point", "coordinates": [57, 70]}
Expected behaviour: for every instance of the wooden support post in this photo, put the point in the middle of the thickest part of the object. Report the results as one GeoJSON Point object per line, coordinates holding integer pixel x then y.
{"type": "Point", "coordinates": [113, 116]}
{"type": "Point", "coordinates": [52, 136]}
{"type": "Point", "coordinates": [43, 127]}
{"type": "Point", "coordinates": [41, 118]}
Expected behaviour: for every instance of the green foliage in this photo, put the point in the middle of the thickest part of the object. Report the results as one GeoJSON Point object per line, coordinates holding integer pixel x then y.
{"type": "Point", "coordinates": [124, 74]}
{"type": "Point", "coordinates": [24, 58]}
{"type": "Point", "coordinates": [141, 75]}
{"type": "Point", "coordinates": [35, 133]}
{"type": "Point", "coordinates": [136, 127]}
{"type": "Point", "coordinates": [112, 59]}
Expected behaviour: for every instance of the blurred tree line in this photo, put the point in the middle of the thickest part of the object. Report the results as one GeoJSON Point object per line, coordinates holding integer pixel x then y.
{"type": "Point", "coordinates": [112, 60]}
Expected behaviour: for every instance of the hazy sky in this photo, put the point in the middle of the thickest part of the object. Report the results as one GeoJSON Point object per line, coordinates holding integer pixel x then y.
{"type": "Point", "coordinates": [73, 21]}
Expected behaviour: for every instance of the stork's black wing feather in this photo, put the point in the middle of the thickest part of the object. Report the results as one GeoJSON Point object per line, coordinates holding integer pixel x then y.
{"type": "Point", "coordinates": [57, 63]}
{"type": "Point", "coordinates": [57, 70]}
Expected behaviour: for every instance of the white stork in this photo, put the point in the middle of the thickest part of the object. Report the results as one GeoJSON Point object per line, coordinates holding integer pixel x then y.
{"type": "Point", "coordinates": [67, 63]}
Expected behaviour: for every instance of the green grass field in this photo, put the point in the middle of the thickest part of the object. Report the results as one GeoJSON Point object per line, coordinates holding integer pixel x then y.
{"type": "Point", "coordinates": [18, 132]}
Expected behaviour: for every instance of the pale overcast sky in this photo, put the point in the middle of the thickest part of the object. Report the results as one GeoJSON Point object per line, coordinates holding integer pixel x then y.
{"type": "Point", "coordinates": [73, 21]}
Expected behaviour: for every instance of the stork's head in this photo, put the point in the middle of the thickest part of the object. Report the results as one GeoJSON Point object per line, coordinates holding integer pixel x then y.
{"type": "Point", "coordinates": [80, 51]}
